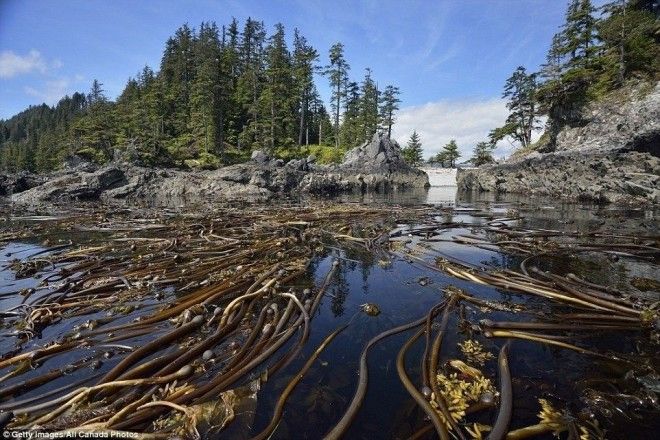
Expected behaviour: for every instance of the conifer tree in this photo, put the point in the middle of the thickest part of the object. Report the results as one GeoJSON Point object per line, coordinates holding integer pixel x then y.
{"type": "Point", "coordinates": [483, 153]}
{"type": "Point", "coordinates": [520, 90]}
{"type": "Point", "coordinates": [205, 111]}
{"type": "Point", "coordinates": [304, 59]}
{"type": "Point", "coordinates": [250, 82]}
{"type": "Point", "coordinates": [351, 131]}
{"type": "Point", "coordinates": [337, 72]}
{"type": "Point", "coordinates": [278, 97]}
{"type": "Point", "coordinates": [412, 152]}
{"type": "Point", "coordinates": [627, 31]}
{"type": "Point", "coordinates": [450, 153]}
{"type": "Point", "coordinates": [389, 105]}
{"type": "Point", "coordinates": [369, 97]}
{"type": "Point", "coordinates": [95, 134]}
{"type": "Point", "coordinates": [219, 93]}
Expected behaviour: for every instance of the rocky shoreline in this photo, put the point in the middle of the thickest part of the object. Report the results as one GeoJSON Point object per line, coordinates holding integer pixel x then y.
{"type": "Point", "coordinates": [611, 155]}
{"type": "Point", "coordinates": [375, 166]}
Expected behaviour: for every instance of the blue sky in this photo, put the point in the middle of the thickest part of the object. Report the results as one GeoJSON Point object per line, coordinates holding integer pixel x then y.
{"type": "Point", "coordinates": [450, 58]}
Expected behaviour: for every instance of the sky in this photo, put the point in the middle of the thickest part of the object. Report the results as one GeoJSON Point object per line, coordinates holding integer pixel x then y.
{"type": "Point", "coordinates": [450, 58]}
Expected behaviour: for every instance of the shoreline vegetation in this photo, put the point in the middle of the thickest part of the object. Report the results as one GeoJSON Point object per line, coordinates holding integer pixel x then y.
{"type": "Point", "coordinates": [221, 93]}
{"type": "Point", "coordinates": [224, 91]}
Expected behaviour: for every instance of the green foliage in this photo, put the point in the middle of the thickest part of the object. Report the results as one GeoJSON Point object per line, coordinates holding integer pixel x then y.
{"type": "Point", "coordinates": [594, 53]}
{"type": "Point", "coordinates": [220, 93]}
{"type": "Point", "coordinates": [483, 154]}
{"type": "Point", "coordinates": [448, 155]}
{"type": "Point", "coordinates": [520, 90]}
{"type": "Point", "coordinates": [369, 99]}
{"type": "Point", "coordinates": [36, 139]}
{"type": "Point", "coordinates": [412, 152]}
{"type": "Point", "coordinates": [325, 154]}
{"type": "Point", "coordinates": [337, 73]}
{"type": "Point", "coordinates": [204, 161]}
{"type": "Point", "coordinates": [389, 105]}
{"type": "Point", "coordinates": [351, 131]}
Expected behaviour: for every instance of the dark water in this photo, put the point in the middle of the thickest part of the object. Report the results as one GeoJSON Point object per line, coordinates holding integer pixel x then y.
{"type": "Point", "coordinates": [565, 377]}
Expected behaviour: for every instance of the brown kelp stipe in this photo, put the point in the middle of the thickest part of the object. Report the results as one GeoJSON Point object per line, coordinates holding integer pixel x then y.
{"type": "Point", "coordinates": [343, 424]}
{"type": "Point", "coordinates": [440, 427]}
{"type": "Point", "coordinates": [501, 425]}
{"type": "Point", "coordinates": [147, 321]}
{"type": "Point", "coordinates": [279, 407]}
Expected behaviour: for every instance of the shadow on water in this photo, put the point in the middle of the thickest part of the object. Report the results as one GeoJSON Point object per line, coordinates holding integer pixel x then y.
{"type": "Point", "coordinates": [588, 388]}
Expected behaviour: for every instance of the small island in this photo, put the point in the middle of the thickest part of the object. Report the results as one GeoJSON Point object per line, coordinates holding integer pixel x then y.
{"type": "Point", "coordinates": [330, 229]}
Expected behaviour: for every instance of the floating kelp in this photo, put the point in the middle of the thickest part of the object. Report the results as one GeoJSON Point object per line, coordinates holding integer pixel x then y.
{"type": "Point", "coordinates": [168, 322]}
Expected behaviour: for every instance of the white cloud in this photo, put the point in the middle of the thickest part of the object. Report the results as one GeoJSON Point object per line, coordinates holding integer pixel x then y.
{"type": "Point", "coordinates": [12, 64]}
{"type": "Point", "coordinates": [466, 121]}
{"type": "Point", "coordinates": [51, 92]}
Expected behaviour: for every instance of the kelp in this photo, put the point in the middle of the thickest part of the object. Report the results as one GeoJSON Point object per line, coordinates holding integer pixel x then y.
{"type": "Point", "coordinates": [183, 315]}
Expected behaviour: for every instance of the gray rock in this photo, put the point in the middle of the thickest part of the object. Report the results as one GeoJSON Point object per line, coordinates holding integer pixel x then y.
{"type": "Point", "coordinates": [259, 156]}
{"type": "Point", "coordinates": [78, 185]}
{"type": "Point", "coordinates": [382, 167]}
{"type": "Point", "coordinates": [637, 190]}
{"type": "Point", "coordinates": [17, 183]}
{"type": "Point", "coordinates": [613, 155]}
{"type": "Point", "coordinates": [375, 166]}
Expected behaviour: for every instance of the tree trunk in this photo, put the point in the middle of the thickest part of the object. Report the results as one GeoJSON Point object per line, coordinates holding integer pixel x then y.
{"type": "Point", "coordinates": [303, 105]}
{"type": "Point", "coordinates": [622, 49]}
{"type": "Point", "coordinates": [272, 125]}
{"type": "Point", "coordinates": [337, 116]}
{"type": "Point", "coordinates": [389, 125]}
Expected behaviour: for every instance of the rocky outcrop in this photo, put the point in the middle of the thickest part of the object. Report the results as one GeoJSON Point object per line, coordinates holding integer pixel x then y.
{"type": "Point", "coordinates": [17, 183]}
{"type": "Point", "coordinates": [633, 177]}
{"type": "Point", "coordinates": [611, 156]}
{"type": "Point", "coordinates": [74, 185]}
{"type": "Point", "coordinates": [375, 166]}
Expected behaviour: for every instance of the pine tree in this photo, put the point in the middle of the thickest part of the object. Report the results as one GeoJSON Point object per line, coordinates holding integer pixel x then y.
{"type": "Point", "coordinates": [218, 94]}
{"type": "Point", "coordinates": [483, 154]}
{"type": "Point", "coordinates": [229, 72]}
{"type": "Point", "coordinates": [304, 59]}
{"type": "Point", "coordinates": [95, 132]}
{"type": "Point", "coordinates": [369, 97]}
{"type": "Point", "coordinates": [627, 31]}
{"type": "Point", "coordinates": [278, 97]}
{"type": "Point", "coordinates": [206, 121]}
{"type": "Point", "coordinates": [389, 105]}
{"type": "Point", "coordinates": [554, 66]}
{"type": "Point", "coordinates": [351, 131]}
{"type": "Point", "coordinates": [178, 74]}
{"type": "Point", "coordinates": [250, 82]}
{"type": "Point", "coordinates": [337, 72]}
{"type": "Point", "coordinates": [321, 128]}
{"type": "Point", "coordinates": [450, 153]}
{"type": "Point", "coordinates": [578, 32]}
{"type": "Point", "coordinates": [412, 152]}
{"type": "Point", "coordinates": [520, 90]}
{"type": "Point", "coordinates": [96, 94]}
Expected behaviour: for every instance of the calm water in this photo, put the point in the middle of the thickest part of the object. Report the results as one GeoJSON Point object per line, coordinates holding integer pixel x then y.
{"type": "Point", "coordinates": [538, 371]}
